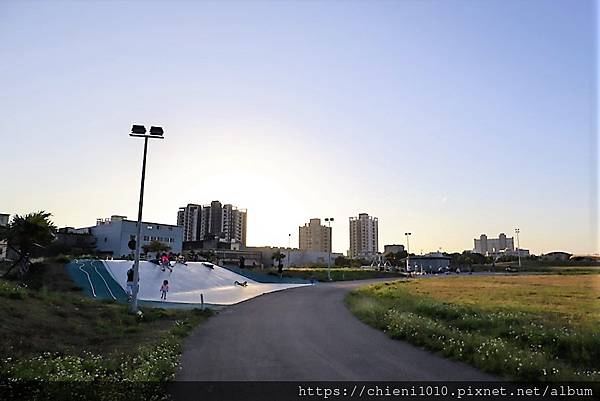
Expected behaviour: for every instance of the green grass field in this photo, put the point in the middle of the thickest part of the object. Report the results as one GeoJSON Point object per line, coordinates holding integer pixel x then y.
{"type": "Point", "coordinates": [565, 269]}
{"type": "Point", "coordinates": [337, 274]}
{"type": "Point", "coordinates": [52, 332]}
{"type": "Point", "coordinates": [527, 327]}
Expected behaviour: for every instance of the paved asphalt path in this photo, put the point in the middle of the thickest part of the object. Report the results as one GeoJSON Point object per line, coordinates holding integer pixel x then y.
{"type": "Point", "coordinates": [306, 334]}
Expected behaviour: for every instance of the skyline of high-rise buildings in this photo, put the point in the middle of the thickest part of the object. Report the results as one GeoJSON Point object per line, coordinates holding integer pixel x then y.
{"type": "Point", "coordinates": [343, 120]}
{"type": "Point", "coordinates": [217, 220]}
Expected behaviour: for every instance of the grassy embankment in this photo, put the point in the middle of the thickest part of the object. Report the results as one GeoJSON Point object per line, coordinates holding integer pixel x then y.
{"type": "Point", "coordinates": [337, 274]}
{"type": "Point", "coordinates": [52, 332]}
{"type": "Point", "coordinates": [536, 327]}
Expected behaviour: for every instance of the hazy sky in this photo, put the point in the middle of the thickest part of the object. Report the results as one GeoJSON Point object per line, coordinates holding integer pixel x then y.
{"type": "Point", "coordinates": [444, 118]}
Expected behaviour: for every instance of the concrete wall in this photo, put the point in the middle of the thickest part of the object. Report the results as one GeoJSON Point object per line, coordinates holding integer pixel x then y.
{"type": "Point", "coordinates": [296, 256]}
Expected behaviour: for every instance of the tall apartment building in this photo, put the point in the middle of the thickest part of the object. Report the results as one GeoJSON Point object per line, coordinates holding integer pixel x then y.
{"type": "Point", "coordinates": [485, 245]}
{"type": "Point", "coordinates": [315, 237]}
{"type": "Point", "coordinates": [233, 224]}
{"type": "Point", "coordinates": [213, 221]}
{"type": "Point", "coordinates": [364, 236]}
{"type": "Point", "coordinates": [188, 219]}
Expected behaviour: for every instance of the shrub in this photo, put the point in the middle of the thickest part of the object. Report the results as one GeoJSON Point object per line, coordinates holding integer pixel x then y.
{"type": "Point", "coordinates": [12, 291]}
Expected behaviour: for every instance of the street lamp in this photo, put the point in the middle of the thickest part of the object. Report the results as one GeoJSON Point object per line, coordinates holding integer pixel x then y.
{"type": "Point", "coordinates": [289, 247]}
{"type": "Point", "coordinates": [517, 231]}
{"type": "Point", "coordinates": [329, 220]}
{"type": "Point", "coordinates": [140, 132]}
{"type": "Point", "coordinates": [407, 251]}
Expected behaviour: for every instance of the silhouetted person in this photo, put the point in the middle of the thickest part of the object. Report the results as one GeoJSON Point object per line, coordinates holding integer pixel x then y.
{"type": "Point", "coordinates": [130, 283]}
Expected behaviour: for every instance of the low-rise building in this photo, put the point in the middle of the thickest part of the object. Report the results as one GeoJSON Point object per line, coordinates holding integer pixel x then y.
{"type": "Point", "coordinates": [255, 256]}
{"type": "Point", "coordinates": [69, 240]}
{"type": "Point", "coordinates": [556, 256]}
{"type": "Point", "coordinates": [515, 252]}
{"type": "Point", "coordinates": [113, 235]}
{"type": "Point", "coordinates": [392, 249]}
{"type": "Point", "coordinates": [430, 263]}
{"type": "Point", "coordinates": [293, 256]}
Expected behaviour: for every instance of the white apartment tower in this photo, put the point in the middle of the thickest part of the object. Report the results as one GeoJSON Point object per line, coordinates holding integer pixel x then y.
{"type": "Point", "coordinates": [315, 237]}
{"type": "Point", "coordinates": [364, 236]}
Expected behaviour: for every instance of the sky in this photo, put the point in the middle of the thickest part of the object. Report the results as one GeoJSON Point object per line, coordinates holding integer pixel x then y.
{"type": "Point", "coordinates": [447, 119]}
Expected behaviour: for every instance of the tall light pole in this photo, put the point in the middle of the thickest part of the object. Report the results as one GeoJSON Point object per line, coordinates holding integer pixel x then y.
{"type": "Point", "coordinates": [517, 231]}
{"type": "Point", "coordinates": [329, 220]}
{"type": "Point", "coordinates": [140, 132]}
{"type": "Point", "coordinates": [407, 250]}
{"type": "Point", "coordinates": [289, 247]}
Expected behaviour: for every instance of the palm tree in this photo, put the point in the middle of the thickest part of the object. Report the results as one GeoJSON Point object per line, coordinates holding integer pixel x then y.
{"type": "Point", "coordinates": [278, 256]}
{"type": "Point", "coordinates": [25, 233]}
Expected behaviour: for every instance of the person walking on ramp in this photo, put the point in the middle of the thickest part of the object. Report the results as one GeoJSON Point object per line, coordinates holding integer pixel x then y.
{"type": "Point", "coordinates": [166, 264]}
{"type": "Point", "coordinates": [164, 288]}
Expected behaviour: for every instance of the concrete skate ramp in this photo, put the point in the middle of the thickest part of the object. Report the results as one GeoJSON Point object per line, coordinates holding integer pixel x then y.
{"type": "Point", "coordinates": [187, 282]}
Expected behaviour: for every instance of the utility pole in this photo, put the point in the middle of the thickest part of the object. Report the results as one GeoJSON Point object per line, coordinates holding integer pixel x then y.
{"type": "Point", "coordinates": [407, 250]}
{"type": "Point", "coordinates": [517, 231]}
{"type": "Point", "coordinates": [329, 220]}
{"type": "Point", "coordinates": [289, 247]}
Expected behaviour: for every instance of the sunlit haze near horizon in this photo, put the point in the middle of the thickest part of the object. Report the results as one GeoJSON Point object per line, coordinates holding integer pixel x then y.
{"type": "Point", "coordinates": [446, 119]}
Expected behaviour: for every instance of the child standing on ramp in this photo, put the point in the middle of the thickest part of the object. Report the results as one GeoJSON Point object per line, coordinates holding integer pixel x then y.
{"type": "Point", "coordinates": [164, 288]}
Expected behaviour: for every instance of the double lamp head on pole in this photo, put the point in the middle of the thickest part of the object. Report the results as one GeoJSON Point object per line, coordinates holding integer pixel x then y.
{"type": "Point", "coordinates": [140, 131]}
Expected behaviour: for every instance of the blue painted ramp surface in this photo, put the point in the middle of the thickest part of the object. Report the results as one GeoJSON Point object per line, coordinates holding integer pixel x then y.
{"type": "Point", "coordinates": [95, 280]}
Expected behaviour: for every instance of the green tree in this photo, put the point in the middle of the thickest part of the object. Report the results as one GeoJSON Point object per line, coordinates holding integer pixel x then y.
{"type": "Point", "coordinates": [477, 258]}
{"type": "Point", "coordinates": [156, 246]}
{"type": "Point", "coordinates": [342, 261]}
{"type": "Point", "coordinates": [395, 258]}
{"type": "Point", "coordinates": [191, 255]}
{"type": "Point", "coordinates": [468, 259]}
{"type": "Point", "coordinates": [25, 234]}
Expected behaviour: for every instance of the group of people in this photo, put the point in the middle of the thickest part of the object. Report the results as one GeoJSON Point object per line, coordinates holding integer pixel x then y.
{"type": "Point", "coordinates": [165, 262]}
{"type": "Point", "coordinates": [164, 288]}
